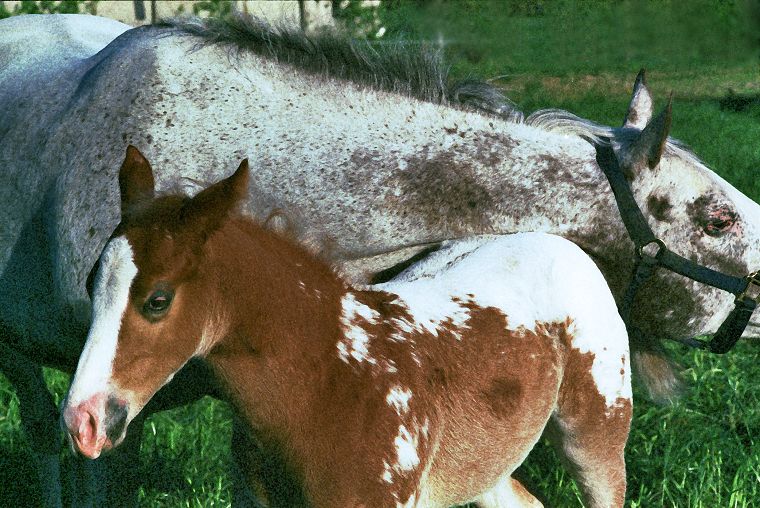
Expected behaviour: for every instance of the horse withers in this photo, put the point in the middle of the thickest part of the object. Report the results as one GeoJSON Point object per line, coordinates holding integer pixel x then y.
{"type": "Point", "coordinates": [428, 390]}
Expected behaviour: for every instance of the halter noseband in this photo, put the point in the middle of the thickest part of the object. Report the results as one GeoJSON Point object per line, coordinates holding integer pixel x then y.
{"type": "Point", "coordinates": [652, 253]}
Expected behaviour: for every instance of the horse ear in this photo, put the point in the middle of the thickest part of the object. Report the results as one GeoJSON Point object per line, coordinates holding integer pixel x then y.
{"type": "Point", "coordinates": [204, 213]}
{"type": "Point", "coordinates": [641, 108]}
{"type": "Point", "coordinates": [648, 146]}
{"type": "Point", "coordinates": [136, 182]}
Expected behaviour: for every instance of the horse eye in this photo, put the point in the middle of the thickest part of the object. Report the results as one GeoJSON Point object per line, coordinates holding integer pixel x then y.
{"type": "Point", "coordinates": [719, 219]}
{"type": "Point", "coordinates": [157, 303]}
{"type": "Point", "coordinates": [718, 227]}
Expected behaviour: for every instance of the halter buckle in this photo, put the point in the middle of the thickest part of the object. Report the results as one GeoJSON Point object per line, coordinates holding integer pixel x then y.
{"type": "Point", "coordinates": [646, 250]}
{"type": "Point", "coordinates": [752, 291]}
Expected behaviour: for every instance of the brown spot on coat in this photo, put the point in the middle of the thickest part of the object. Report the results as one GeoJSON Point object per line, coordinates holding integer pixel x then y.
{"type": "Point", "coordinates": [503, 396]}
{"type": "Point", "coordinates": [659, 207]}
{"type": "Point", "coordinates": [427, 180]}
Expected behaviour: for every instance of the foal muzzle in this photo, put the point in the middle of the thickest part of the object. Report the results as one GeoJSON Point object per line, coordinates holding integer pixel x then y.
{"type": "Point", "coordinates": [96, 424]}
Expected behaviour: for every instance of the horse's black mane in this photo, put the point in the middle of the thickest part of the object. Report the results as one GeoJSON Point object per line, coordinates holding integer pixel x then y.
{"type": "Point", "coordinates": [410, 68]}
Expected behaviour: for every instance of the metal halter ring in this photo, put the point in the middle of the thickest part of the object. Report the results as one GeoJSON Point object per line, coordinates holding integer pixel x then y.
{"type": "Point", "coordinates": [660, 249]}
{"type": "Point", "coordinates": [752, 291]}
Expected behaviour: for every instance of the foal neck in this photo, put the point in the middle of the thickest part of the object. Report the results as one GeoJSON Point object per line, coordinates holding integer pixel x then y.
{"type": "Point", "coordinates": [280, 363]}
{"type": "Point", "coordinates": [282, 304]}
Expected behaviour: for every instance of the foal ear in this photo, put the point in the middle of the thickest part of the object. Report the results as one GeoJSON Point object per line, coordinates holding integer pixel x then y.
{"type": "Point", "coordinates": [647, 148]}
{"type": "Point", "coordinates": [204, 213]}
{"type": "Point", "coordinates": [136, 182]}
{"type": "Point", "coordinates": [641, 108]}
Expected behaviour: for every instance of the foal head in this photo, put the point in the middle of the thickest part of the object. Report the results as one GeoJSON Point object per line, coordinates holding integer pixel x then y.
{"type": "Point", "coordinates": [151, 305]}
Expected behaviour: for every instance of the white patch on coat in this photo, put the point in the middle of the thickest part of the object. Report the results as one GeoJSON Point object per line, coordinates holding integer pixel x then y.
{"type": "Point", "coordinates": [405, 444]}
{"type": "Point", "coordinates": [387, 475]}
{"type": "Point", "coordinates": [398, 398]}
{"type": "Point", "coordinates": [406, 448]}
{"type": "Point", "coordinates": [389, 366]}
{"type": "Point", "coordinates": [112, 283]}
{"type": "Point", "coordinates": [431, 312]}
{"type": "Point", "coordinates": [356, 339]}
{"type": "Point", "coordinates": [530, 278]}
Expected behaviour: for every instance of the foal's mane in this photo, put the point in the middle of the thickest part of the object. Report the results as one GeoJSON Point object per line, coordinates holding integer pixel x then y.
{"type": "Point", "coordinates": [410, 68]}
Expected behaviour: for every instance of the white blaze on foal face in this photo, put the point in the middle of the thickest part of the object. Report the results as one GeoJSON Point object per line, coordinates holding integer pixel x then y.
{"type": "Point", "coordinates": [112, 282]}
{"type": "Point", "coordinates": [91, 401]}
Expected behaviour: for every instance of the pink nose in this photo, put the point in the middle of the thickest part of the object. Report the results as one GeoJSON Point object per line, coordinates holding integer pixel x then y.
{"type": "Point", "coordinates": [84, 424]}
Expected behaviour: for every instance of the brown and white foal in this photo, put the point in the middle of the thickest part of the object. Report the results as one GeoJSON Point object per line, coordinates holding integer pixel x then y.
{"type": "Point", "coordinates": [427, 391]}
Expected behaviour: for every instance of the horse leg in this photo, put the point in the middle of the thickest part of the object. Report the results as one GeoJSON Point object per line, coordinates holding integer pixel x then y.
{"type": "Point", "coordinates": [590, 439]}
{"type": "Point", "coordinates": [508, 493]}
{"type": "Point", "coordinates": [39, 419]}
{"type": "Point", "coordinates": [247, 488]}
{"type": "Point", "coordinates": [121, 468]}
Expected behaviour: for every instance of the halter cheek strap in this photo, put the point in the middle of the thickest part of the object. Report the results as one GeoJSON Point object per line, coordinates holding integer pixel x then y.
{"type": "Point", "coordinates": [652, 253]}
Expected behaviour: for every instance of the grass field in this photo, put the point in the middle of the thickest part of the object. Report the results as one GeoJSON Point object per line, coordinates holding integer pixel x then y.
{"type": "Point", "coordinates": [701, 452]}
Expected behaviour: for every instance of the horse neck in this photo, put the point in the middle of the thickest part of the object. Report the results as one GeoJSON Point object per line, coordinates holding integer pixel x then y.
{"type": "Point", "coordinates": [282, 312]}
{"type": "Point", "coordinates": [281, 366]}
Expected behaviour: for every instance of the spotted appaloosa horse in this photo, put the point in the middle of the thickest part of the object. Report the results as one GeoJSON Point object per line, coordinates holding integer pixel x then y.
{"type": "Point", "coordinates": [426, 391]}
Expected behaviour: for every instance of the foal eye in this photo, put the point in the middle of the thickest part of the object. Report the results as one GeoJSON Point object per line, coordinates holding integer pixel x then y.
{"type": "Point", "coordinates": [157, 303]}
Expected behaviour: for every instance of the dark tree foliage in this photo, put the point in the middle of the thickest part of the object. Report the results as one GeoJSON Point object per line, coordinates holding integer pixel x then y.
{"type": "Point", "coordinates": [50, 7]}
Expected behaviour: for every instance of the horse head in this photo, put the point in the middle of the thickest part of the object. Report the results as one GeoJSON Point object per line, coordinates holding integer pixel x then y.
{"type": "Point", "coordinates": [694, 211]}
{"type": "Point", "coordinates": [150, 313]}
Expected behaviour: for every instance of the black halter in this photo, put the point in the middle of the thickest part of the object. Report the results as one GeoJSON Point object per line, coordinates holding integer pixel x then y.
{"type": "Point", "coordinates": [651, 253]}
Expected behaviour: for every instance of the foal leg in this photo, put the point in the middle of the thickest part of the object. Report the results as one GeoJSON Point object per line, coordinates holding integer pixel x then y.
{"type": "Point", "coordinates": [590, 437]}
{"type": "Point", "coordinates": [39, 419]}
{"type": "Point", "coordinates": [508, 493]}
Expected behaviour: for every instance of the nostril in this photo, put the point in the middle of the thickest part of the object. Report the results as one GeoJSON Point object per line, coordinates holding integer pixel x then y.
{"type": "Point", "coordinates": [81, 422]}
{"type": "Point", "coordinates": [116, 418]}
{"type": "Point", "coordinates": [87, 426]}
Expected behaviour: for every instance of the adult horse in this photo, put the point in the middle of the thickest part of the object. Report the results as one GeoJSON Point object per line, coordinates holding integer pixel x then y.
{"type": "Point", "coordinates": [43, 61]}
{"type": "Point", "coordinates": [364, 152]}
{"type": "Point", "coordinates": [38, 56]}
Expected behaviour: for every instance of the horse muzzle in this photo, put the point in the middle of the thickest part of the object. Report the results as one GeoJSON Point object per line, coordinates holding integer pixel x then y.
{"type": "Point", "coordinates": [96, 424]}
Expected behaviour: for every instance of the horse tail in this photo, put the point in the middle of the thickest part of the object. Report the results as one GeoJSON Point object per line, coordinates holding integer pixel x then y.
{"type": "Point", "coordinates": [655, 369]}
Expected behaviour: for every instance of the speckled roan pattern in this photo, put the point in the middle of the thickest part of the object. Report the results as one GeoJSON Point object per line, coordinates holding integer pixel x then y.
{"type": "Point", "coordinates": [357, 173]}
